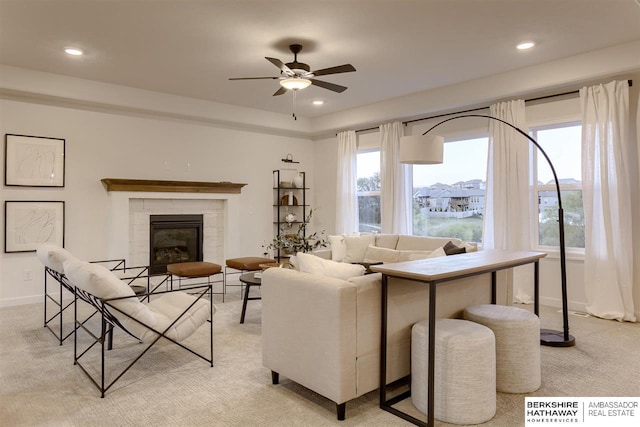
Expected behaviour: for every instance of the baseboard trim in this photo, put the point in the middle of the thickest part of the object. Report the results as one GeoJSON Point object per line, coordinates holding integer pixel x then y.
{"type": "Point", "coordinates": [12, 302]}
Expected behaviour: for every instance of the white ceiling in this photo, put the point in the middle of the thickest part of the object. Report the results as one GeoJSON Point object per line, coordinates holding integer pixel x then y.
{"type": "Point", "coordinates": [191, 48]}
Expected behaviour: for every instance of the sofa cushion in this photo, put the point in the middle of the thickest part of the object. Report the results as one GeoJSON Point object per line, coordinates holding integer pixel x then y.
{"type": "Point", "coordinates": [377, 254]}
{"type": "Point", "coordinates": [389, 241]}
{"type": "Point", "coordinates": [406, 255]}
{"type": "Point", "coordinates": [423, 243]}
{"type": "Point", "coordinates": [357, 246]}
{"type": "Point", "coordinates": [315, 265]}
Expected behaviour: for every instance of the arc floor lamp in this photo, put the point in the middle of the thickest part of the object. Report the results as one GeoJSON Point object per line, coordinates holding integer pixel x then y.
{"type": "Point", "coordinates": [428, 149]}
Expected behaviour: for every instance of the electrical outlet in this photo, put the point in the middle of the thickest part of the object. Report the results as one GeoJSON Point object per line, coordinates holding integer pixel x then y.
{"type": "Point", "coordinates": [27, 275]}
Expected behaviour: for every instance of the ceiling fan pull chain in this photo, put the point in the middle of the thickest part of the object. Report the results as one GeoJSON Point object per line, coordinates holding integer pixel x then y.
{"type": "Point", "coordinates": [294, 104]}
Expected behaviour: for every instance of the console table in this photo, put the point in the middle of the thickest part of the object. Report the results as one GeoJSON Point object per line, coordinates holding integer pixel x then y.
{"type": "Point", "coordinates": [436, 272]}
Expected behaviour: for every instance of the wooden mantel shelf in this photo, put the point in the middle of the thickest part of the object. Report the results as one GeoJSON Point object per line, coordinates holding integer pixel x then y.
{"type": "Point", "coordinates": [117, 184]}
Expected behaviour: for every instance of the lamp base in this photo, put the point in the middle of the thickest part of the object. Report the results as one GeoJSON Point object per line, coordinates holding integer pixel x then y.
{"type": "Point", "coordinates": [553, 338]}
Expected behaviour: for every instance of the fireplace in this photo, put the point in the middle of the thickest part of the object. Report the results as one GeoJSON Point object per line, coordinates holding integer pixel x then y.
{"type": "Point", "coordinates": [173, 239]}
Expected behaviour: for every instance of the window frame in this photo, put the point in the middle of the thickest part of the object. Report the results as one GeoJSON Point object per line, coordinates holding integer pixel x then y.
{"type": "Point", "coordinates": [359, 194]}
{"type": "Point", "coordinates": [451, 138]}
{"type": "Point", "coordinates": [572, 252]}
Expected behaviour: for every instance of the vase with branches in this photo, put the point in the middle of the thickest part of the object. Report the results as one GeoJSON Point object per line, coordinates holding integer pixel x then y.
{"type": "Point", "coordinates": [289, 241]}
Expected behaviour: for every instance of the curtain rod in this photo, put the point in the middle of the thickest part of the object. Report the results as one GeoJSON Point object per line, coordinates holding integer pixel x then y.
{"type": "Point", "coordinates": [481, 108]}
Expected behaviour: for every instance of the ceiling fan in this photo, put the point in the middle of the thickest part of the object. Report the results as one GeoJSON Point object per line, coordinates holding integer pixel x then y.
{"type": "Point", "coordinates": [298, 75]}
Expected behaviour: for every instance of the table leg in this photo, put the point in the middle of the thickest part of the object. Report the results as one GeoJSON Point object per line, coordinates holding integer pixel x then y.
{"type": "Point", "coordinates": [536, 287]}
{"type": "Point", "coordinates": [383, 344]}
{"type": "Point", "coordinates": [244, 301]}
{"type": "Point", "coordinates": [432, 354]}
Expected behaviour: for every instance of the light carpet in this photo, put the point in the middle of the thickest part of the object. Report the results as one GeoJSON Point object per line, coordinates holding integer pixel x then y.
{"type": "Point", "coordinates": [40, 386]}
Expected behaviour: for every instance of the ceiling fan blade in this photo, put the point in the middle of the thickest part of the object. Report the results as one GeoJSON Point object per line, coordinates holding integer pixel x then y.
{"type": "Point", "coordinates": [253, 78]}
{"type": "Point", "coordinates": [346, 68]}
{"type": "Point", "coordinates": [327, 85]}
{"type": "Point", "coordinates": [280, 91]}
{"type": "Point", "coordinates": [280, 65]}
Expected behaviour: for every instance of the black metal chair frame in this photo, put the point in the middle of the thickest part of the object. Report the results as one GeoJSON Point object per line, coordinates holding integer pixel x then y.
{"type": "Point", "coordinates": [109, 322]}
{"type": "Point", "coordinates": [208, 282]}
{"type": "Point", "coordinates": [64, 286]}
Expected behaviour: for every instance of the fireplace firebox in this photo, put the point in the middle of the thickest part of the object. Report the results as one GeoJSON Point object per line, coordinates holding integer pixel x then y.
{"type": "Point", "coordinates": [173, 239]}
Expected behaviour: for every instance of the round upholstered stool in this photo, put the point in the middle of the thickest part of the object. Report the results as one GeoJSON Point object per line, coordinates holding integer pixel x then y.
{"type": "Point", "coordinates": [191, 270]}
{"type": "Point", "coordinates": [517, 334]}
{"type": "Point", "coordinates": [465, 371]}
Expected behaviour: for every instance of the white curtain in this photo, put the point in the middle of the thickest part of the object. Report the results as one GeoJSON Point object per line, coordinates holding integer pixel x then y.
{"type": "Point", "coordinates": [507, 214]}
{"type": "Point", "coordinates": [395, 183]}
{"type": "Point", "coordinates": [607, 201]}
{"type": "Point", "coordinates": [346, 197]}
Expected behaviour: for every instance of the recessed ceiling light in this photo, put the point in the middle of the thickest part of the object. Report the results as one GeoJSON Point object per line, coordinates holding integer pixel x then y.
{"type": "Point", "coordinates": [318, 102]}
{"type": "Point", "coordinates": [525, 45]}
{"type": "Point", "coordinates": [73, 51]}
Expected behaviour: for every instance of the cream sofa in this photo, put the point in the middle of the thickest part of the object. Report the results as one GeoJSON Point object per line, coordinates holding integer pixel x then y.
{"type": "Point", "coordinates": [324, 333]}
{"type": "Point", "coordinates": [368, 247]}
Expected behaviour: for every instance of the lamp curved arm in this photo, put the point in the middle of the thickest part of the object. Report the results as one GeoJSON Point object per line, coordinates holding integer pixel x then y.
{"type": "Point", "coordinates": [547, 337]}
{"type": "Point", "coordinates": [520, 131]}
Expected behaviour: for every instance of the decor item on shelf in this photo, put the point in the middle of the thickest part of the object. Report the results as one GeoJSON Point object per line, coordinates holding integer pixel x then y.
{"type": "Point", "coordinates": [289, 201]}
{"type": "Point", "coordinates": [291, 243]}
{"type": "Point", "coordinates": [289, 218]}
{"type": "Point", "coordinates": [286, 184]}
{"type": "Point", "coordinates": [427, 149]}
{"type": "Point", "coordinates": [298, 180]}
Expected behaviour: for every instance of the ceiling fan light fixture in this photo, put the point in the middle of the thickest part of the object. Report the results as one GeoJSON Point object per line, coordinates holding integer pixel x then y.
{"type": "Point", "coordinates": [295, 83]}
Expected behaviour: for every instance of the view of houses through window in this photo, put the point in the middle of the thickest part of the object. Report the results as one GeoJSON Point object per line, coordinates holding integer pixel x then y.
{"type": "Point", "coordinates": [562, 143]}
{"type": "Point", "coordinates": [449, 198]}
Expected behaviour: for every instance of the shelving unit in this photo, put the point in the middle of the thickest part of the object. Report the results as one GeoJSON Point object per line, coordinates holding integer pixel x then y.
{"type": "Point", "coordinates": [283, 195]}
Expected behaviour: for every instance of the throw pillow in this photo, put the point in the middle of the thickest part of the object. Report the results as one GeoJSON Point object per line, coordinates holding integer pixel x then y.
{"type": "Point", "coordinates": [375, 254]}
{"type": "Point", "coordinates": [407, 255]}
{"type": "Point", "coordinates": [437, 253]}
{"type": "Point", "coordinates": [339, 270]}
{"type": "Point", "coordinates": [338, 247]}
{"type": "Point", "coordinates": [53, 256]}
{"type": "Point", "coordinates": [451, 249]}
{"type": "Point", "coordinates": [357, 247]}
{"type": "Point", "coordinates": [102, 283]}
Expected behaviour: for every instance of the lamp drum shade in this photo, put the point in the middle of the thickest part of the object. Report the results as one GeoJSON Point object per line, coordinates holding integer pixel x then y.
{"type": "Point", "coordinates": [421, 149]}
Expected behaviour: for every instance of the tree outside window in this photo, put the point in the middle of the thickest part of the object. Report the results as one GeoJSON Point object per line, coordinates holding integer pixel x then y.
{"type": "Point", "coordinates": [368, 188]}
{"type": "Point", "coordinates": [563, 144]}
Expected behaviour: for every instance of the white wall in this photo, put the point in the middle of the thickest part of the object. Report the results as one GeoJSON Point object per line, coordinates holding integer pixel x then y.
{"type": "Point", "coordinates": [101, 145]}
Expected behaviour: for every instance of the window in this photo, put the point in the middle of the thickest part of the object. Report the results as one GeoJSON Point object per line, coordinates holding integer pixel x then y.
{"type": "Point", "coordinates": [563, 145]}
{"type": "Point", "coordinates": [448, 199]}
{"type": "Point", "coordinates": [368, 183]}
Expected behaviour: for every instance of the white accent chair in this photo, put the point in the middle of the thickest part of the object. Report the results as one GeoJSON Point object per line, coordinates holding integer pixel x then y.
{"type": "Point", "coordinates": [172, 315]}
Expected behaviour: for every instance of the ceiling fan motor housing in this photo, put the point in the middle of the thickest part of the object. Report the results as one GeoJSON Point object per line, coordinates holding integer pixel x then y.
{"type": "Point", "coordinates": [298, 67]}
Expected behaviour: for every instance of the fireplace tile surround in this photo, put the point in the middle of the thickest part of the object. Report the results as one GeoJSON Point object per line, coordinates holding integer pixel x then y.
{"type": "Point", "coordinates": [129, 213]}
